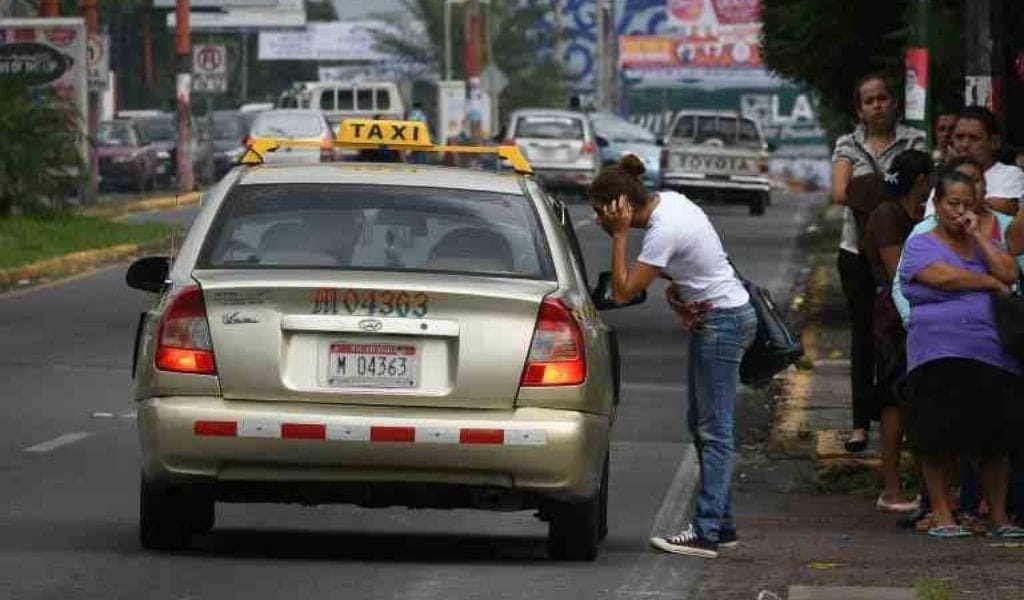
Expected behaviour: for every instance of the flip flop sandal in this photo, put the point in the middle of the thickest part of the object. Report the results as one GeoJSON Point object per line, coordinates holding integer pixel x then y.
{"type": "Point", "coordinates": [1007, 532]}
{"type": "Point", "coordinates": [949, 531]}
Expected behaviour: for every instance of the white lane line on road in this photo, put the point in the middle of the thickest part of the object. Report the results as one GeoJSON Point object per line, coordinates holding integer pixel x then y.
{"type": "Point", "coordinates": [57, 442]}
{"type": "Point", "coordinates": [655, 575]}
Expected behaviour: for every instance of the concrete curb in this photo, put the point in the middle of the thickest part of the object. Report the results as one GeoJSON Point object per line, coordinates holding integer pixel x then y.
{"type": "Point", "coordinates": [124, 209]}
{"type": "Point", "coordinates": [790, 432]}
{"type": "Point", "coordinates": [76, 262]}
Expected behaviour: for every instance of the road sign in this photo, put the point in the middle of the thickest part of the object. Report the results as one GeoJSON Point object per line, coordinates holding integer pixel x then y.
{"type": "Point", "coordinates": [209, 69]}
{"type": "Point", "coordinates": [97, 62]}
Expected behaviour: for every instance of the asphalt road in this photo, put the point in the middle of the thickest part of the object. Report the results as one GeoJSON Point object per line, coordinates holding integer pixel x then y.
{"type": "Point", "coordinates": [69, 464]}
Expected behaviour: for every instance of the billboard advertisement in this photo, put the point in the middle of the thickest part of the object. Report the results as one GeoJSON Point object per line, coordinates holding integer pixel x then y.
{"type": "Point", "coordinates": [50, 53]}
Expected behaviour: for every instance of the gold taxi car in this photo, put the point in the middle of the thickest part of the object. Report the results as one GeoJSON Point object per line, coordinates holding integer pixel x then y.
{"type": "Point", "coordinates": [380, 335]}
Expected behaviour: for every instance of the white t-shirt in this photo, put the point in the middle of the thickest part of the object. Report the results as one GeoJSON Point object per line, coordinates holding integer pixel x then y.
{"type": "Point", "coordinates": [1001, 181]}
{"type": "Point", "coordinates": [681, 241]}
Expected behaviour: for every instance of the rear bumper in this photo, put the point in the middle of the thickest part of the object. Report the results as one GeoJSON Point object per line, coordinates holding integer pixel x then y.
{"type": "Point", "coordinates": [570, 177]}
{"type": "Point", "coordinates": [542, 453]}
{"type": "Point", "coordinates": [697, 181]}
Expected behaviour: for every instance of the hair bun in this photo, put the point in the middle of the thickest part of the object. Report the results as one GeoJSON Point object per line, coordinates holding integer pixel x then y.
{"type": "Point", "coordinates": [631, 164]}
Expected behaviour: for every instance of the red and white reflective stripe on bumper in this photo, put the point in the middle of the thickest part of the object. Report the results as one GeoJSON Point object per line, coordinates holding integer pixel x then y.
{"type": "Point", "coordinates": [370, 433]}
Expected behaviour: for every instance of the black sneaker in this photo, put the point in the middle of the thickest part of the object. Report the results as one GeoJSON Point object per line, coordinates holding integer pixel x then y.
{"type": "Point", "coordinates": [727, 538]}
{"type": "Point", "coordinates": [687, 542]}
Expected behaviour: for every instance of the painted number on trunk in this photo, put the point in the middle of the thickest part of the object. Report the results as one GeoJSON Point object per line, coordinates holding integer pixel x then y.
{"type": "Point", "coordinates": [372, 303]}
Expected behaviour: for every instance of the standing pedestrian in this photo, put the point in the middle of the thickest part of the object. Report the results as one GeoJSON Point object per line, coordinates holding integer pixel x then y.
{"type": "Point", "coordinates": [977, 135]}
{"type": "Point", "coordinates": [417, 114]}
{"type": "Point", "coordinates": [908, 182]}
{"type": "Point", "coordinates": [943, 135]}
{"type": "Point", "coordinates": [681, 243]}
{"type": "Point", "coordinates": [962, 389]}
{"type": "Point", "coordinates": [864, 154]}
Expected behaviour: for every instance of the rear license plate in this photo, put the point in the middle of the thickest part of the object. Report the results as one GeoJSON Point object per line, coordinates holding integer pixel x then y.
{"type": "Point", "coordinates": [376, 365]}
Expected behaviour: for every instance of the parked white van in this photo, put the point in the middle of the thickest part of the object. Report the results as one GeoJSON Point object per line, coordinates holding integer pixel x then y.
{"type": "Point", "coordinates": [340, 100]}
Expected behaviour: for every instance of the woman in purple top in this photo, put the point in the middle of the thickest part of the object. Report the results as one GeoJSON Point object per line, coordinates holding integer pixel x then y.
{"type": "Point", "coordinates": [963, 389]}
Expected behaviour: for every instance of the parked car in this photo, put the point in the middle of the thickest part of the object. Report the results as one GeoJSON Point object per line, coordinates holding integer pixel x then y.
{"type": "Point", "coordinates": [624, 137]}
{"type": "Point", "coordinates": [402, 335]}
{"type": "Point", "coordinates": [228, 130]}
{"type": "Point", "coordinates": [162, 128]}
{"type": "Point", "coordinates": [295, 125]}
{"type": "Point", "coordinates": [560, 145]}
{"type": "Point", "coordinates": [127, 158]}
{"type": "Point", "coordinates": [717, 155]}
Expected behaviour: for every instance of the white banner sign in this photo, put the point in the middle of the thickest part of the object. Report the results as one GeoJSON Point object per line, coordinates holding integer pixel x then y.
{"type": "Point", "coordinates": [353, 40]}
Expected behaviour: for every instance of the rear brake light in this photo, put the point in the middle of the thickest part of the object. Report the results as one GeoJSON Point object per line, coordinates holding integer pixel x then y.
{"type": "Point", "coordinates": [762, 166]}
{"type": "Point", "coordinates": [508, 142]}
{"type": "Point", "coordinates": [588, 148]}
{"type": "Point", "coordinates": [326, 151]}
{"type": "Point", "coordinates": [557, 352]}
{"type": "Point", "coordinates": [184, 343]}
{"type": "Point", "coordinates": [247, 141]}
{"type": "Point", "coordinates": [663, 160]}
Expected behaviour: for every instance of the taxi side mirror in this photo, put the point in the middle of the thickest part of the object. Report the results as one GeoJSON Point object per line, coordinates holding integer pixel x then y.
{"type": "Point", "coordinates": [602, 294]}
{"type": "Point", "coordinates": [149, 274]}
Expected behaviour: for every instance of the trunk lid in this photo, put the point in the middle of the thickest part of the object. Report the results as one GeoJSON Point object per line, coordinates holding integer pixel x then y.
{"type": "Point", "coordinates": [373, 338]}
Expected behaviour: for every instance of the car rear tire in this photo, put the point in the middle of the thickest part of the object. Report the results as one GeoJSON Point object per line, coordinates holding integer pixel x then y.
{"type": "Point", "coordinates": [576, 529]}
{"type": "Point", "coordinates": [758, 204]}
{"type": "Point", "coordinates": [169, 515]}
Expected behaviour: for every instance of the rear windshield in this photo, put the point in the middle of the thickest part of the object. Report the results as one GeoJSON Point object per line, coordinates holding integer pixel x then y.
{"type": "Point", "coordinates": [555, 128]}
{"type": "Point", "coordinates": [729, 131]}
{"type": "Point", "coordinates": [288, 125]}
{"type": "Point", "coordinates": [158, 129]}
{"type": "Point", "coordinates": [377, 228]}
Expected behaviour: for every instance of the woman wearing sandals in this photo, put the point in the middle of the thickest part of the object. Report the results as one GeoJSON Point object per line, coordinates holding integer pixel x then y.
{"type": "Point", "coordinates": [908, 182]}
{"type": "Point", "coordinates": [860, 156]}
{"type": "Point", "coordinates": [963, 389]}
{"type": "Point", "coordinates": [680, 243]}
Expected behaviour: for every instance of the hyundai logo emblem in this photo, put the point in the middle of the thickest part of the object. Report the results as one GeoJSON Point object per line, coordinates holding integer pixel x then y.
{"type": "Point", "coordinates": [371, 325]}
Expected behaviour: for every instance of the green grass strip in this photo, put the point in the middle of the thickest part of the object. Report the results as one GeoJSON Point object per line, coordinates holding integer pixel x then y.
{"type": "Point", "coordinates": [25, 240]}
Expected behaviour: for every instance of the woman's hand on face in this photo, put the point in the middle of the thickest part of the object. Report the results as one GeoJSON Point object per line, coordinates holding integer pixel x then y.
{"type": "Point", "coordinates": [1000, 287]}
{"type": "Point", "coordinates": [617, 216]}
{"type": "Point", "coordinates": [969, 221]}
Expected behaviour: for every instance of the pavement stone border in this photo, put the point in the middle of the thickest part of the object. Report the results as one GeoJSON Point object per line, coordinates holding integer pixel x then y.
{"type": "Point", "coordinates": [119, 210]}
{"type": "Point", "coordinates": [77, 262]}
{"type": "Point", "coordinates": [86, 260]}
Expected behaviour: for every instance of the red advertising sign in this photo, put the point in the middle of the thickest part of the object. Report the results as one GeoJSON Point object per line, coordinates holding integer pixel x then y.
{"type": "Point", "coordinates": [916, 92]}
{"type": "Point", "coordinates": [662, 51]}
{"type": "Point", "coordinates": [736, 12]}
{"type": "Point", "coordinates": [687, 11]}
{"type": "Point", "coordinates": [60, 36]}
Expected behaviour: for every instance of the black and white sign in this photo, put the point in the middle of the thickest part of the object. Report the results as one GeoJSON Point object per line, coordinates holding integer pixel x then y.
{"type": "Point", "coordinates": [209, 69]}
{"type": "Point", "coordinates": [97, 61]}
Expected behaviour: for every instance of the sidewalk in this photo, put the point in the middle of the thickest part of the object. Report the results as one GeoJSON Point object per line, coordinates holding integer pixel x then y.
{"type": "Point", "coordinates": [805, 509]}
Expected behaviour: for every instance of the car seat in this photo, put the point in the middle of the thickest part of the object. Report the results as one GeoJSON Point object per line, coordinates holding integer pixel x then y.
{"type": "Point", "coordinates": [472, 249]}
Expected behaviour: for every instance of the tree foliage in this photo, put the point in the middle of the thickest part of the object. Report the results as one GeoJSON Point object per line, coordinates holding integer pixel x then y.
{"type": "Point", "coordinates": [830, 44]}
{"type": "Point", "coordinates": [40, 156]}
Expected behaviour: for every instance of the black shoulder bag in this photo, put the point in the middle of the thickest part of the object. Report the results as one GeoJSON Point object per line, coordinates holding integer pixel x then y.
{"type": "Point", "coordinates": [775, 347]}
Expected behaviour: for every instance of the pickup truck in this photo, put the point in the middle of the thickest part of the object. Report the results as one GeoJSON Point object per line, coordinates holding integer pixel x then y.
{"type": "Point", "coordinates": [717, 155]}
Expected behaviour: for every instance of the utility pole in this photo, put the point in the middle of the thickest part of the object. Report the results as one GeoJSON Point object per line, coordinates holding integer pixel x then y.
{"type": "Point", "coordinates": [183, 84]}
{"type": "Point", "coordinates": [91, 12]}
{"type": "Point", "coordinates": [50, 8]}
{"type": "Point", "coordinates": [472, 63]}
{"type": "Point", "coordinates": [984, 82]}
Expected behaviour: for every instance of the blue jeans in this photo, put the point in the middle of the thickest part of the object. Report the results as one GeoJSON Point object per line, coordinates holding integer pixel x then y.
{"type": "Point", "coordinates": [717, 346]}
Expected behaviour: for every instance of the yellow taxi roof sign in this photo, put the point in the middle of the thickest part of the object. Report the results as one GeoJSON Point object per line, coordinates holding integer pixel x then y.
{"type": "Point", "coordinates": [394, 134]}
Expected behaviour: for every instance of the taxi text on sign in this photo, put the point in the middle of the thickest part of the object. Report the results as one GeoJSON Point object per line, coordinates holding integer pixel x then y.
{"type": "Point", "coordinates": [395, 134]}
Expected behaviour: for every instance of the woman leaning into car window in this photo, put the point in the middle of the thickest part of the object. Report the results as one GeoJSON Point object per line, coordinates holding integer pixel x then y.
{"type": "Point", "coordinates": [680, 243]}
